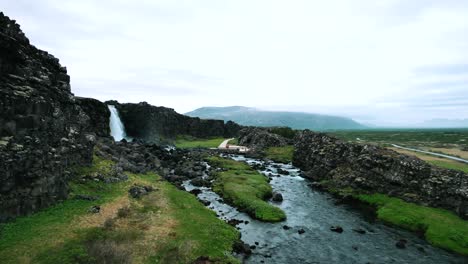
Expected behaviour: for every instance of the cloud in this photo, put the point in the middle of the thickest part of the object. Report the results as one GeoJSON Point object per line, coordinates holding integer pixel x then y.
{"type": "Point", "coordinates": [385, 61]}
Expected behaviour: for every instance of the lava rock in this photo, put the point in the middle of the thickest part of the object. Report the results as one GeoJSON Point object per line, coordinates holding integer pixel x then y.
{"type": "Point", "coordinates": [242, 248]}
{"type": "Point", "coordinates": [277, 197]}
{"type": "Point", "coordinates": [195, 192]}
{"type": "Point", "coordinates": [401, 244]}
{"type": "Point", "coordinates": [337, 229]}
{"type": "Point", "coordinates": [359, 231]}
{"type": "Point", "coordinates": [138, 191]}
{"type": "Point", "coordinates": [95, 209]}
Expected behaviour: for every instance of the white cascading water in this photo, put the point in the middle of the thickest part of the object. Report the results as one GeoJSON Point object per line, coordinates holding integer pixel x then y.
{"type": "Point", "coordinates": [116, 126]}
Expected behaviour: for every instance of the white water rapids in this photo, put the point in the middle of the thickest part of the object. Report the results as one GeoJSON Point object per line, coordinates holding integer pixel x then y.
{"type": "Point", "coordinates": [116, 126]}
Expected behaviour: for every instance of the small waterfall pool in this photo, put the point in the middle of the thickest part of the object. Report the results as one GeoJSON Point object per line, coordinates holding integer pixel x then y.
{"type": "Point", "coordinates": [315, 212]}
{"type": "Point", "coordinates": [116, 126]}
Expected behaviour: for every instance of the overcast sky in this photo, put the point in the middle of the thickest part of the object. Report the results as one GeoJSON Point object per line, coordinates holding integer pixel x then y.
{"type": "Point", "coordinates": [386, 62]}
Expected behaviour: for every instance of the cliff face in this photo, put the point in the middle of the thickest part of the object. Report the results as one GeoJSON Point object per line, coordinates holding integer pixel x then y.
{"type": "Point", "coordinates": [98, 114]}
{"type": "Point", "coordinates": [41, 126]}
{"type": "Point", "coordinates": [156, 124]}
{"type": "Point", "coordinates": [376, 169]}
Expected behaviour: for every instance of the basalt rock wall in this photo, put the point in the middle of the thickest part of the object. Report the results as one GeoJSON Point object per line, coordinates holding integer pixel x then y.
{"type": "Point", "coordinates": [375, 169]}
{"type": "Point", "coordinates": [99, 116]}
{"type": "Point", "coordinates": [159, 124]}
{"type": "Point", "coordinates": [42, 128]}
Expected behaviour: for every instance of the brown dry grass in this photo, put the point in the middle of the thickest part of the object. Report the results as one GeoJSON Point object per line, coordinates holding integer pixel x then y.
{"type": "Point", "coordinates": [108, 210]}
{"type": "Point", "coordinates": [452, 151]}
{"type": "Point", "coordinates": [422, 156]}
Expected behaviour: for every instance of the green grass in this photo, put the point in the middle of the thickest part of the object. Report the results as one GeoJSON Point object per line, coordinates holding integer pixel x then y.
{"type": "Point", "coordinates": [450, 165]}
{"type": "Point", "coordinates": [246, 189]}
{"type": "Point", "coordinates": [191, 142]}
{"type": "Point", "coordinates": [167, 226]}
{"type": "Point", "coordinates": [441, 228]}
{"type": "Point", "coordinates": [199, 230]}
{"type": "Point", "coordinates": [234, 141]}
{"type": "Point", "coordinates": [407, 137]}
{"type": "Point", "coordinates": [280, 154]}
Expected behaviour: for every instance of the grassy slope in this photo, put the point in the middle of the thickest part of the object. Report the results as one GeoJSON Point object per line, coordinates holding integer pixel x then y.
{"type": "Point", "coordinates": [246, 189]}
{"type": "Point", "coordinates": [167, 226]}
{"type": "Point", "coordinates": [442, 228]}
{"type": "Point", "coordinates": [280, 154]}
{"type": "Point", "coordinates": [191, 142]}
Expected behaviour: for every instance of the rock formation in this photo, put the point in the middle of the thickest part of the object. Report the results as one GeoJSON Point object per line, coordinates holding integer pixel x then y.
{"type": "Point", "coordinates": [42, 128]}
{"type": "Point", "coordinates": [159, 124]}
{"type": "Point", "coordinates": [260, 138]}
{"type": "Point", "coordinates": [376, 169]}
{"type": "Point", "coordinates": [98, 116]}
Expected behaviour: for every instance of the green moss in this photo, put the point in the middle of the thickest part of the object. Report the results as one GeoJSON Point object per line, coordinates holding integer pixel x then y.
{"type": "Point", "coordinates": [280, 154]}
{"type": "Point", "coordinates": [442, 228]}
{"type": "Point", "coordinates": [246, 189]}
{"type": "Point", "coordinates": [191, 142]}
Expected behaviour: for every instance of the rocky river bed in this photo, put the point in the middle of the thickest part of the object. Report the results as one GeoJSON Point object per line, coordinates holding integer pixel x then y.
{"type": "Point", "coordinates": [307, 237]}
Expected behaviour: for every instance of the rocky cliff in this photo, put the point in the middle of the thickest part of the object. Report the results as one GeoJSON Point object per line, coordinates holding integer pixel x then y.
{"type": "Point", "coordinates": [42, 128]}
{"type": "Point", "coordinates": [375, 169]}
{"type": "Point", "coordinates": [258, 138]}
{"type": "Point", "coordinates": [158, 124]}
{"type": "Point", "coordinates": [98, 114]}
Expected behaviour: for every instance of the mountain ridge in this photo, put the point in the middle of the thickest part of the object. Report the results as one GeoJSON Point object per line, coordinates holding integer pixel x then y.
{"type": "Point", "coordinates": [250, 116]}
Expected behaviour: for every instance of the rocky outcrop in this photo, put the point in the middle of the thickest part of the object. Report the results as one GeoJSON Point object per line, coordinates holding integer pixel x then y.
{"type": "Point", "coordinates": [99, 115]}
{"type": "Point", "coordinates": [42, 128]}
{"type": "Point", "coordinates": [158, 124]}
{"type": "Point", "coordinates": [260, 138]}
{"type": "Point", "coordinates": [375, 169]}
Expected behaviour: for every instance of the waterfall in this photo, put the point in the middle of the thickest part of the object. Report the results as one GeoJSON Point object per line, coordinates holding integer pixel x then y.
{"type": "Point", "coordinates": [116, 126]}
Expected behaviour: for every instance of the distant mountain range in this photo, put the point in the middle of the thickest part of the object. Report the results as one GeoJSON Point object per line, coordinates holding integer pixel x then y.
{"type": "Point", "coordinates": [297, 120]}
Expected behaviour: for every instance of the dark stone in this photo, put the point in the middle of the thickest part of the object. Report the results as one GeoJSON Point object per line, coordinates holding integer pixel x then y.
{"type": "Point", "coordinates": [401, 244]}
{"type": "Point", "coordinates": [285, 227]}
{"type": "Point", "coordinates": [234, 222]}
{"type": "Point", "coordinates": [195, 192]}
{"type": "Point", "coordinates": [139, 191]}
{"type": "Point", "coordinates": [277, 197]}
{"type": "Point", "coordinates": [260, 138]}
{"type": "Point", "coordinates": [301, 231]}
{"type": "Point", "coordinates": [43, 130]}
{"type": "Point", "coordinates": [359, 230]}
{"type": "Point", "coordinates": [242, 248]}
{"type": "Point", "coordinates": [95, 209]}
{"type": "Point", "coordinates": [337, 229]}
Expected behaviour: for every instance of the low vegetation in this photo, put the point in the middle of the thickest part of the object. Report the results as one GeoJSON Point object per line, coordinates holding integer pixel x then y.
{"type": "Point", "coordinates": [165, 226]}
{"type": "Point", "coordinates": [234, 141]}
{"type": "Point", "coordinates": [280, 154]}
{"type": "Point", "coordinates": [441, 228]}
{"type": "Point", "coordinates": [286, 132]}
{"type": "Point", "coordinates": [434, 138]}
{"type": "Point", "coordinates": [246, 189]}
{"type": "Point", "coordinates": [192, 142]}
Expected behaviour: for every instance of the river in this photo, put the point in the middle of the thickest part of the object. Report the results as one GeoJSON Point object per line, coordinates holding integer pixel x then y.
{"type": "Point", "coordinates": [315, 212]}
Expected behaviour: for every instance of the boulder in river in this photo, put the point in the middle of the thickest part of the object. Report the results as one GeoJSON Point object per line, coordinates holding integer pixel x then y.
{"type": "Point", "coordinates": [277, 197]}
{"type": "Point", "coordinates": [337, 229]}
